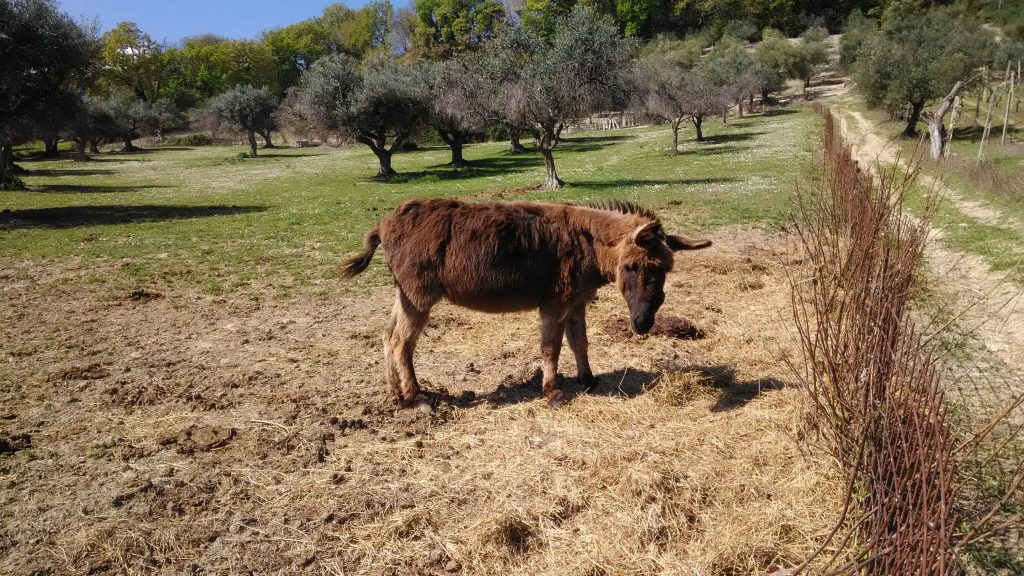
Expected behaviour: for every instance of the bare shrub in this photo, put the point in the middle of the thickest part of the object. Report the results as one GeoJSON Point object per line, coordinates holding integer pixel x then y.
{"type": "Point", "coordinates": [875, 394]}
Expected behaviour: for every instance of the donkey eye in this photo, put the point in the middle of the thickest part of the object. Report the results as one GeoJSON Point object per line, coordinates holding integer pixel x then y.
{"type": "Point", "coordinates": [632, 267]}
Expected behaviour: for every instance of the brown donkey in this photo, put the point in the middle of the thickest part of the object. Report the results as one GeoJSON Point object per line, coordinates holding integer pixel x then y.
{"type": "Point", "coordinates": [513, 257]}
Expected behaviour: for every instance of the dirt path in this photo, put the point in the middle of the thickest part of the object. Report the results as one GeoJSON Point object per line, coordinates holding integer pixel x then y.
{"type": "Point", "coordinates": [991, 304]}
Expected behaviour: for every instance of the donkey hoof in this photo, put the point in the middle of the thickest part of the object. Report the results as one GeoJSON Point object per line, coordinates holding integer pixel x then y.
{"type": "Point", "coordinates": [557, 400]}
{"type": "Point", "coordinates": [423, 405]}
{"type": "Point", "coordinates": [589, 383]}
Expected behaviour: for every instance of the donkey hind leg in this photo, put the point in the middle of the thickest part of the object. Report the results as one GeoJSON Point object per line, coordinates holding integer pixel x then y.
{"type": "Point", "coordinates": [404, 328]}
{"type": "Point", "coordinates": [576, 334]}
{"type": "Point", "coordinates": [552, 327]}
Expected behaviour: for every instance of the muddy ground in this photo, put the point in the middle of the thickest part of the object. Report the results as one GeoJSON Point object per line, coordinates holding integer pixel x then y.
{"type": "Point", "coordinates": [158, 430]}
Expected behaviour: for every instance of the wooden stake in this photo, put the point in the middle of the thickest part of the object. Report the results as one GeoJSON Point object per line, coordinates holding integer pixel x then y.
{"type": "Point", "coordinates": [1006, 115]}
{"type": "Point", "coordinates": [958, 105]}
{"type": "Point", "coordinates": [988, 125]}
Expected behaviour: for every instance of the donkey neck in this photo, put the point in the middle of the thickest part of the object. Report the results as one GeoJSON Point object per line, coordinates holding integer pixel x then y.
{"type": "Point", "coordinates": [608, 228]}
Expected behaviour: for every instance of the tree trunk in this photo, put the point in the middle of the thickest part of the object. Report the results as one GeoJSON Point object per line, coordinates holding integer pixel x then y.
{"type": "Point", "coordinates": [6, 151]}
{"type": "Point", "coordinates": [915, 116]}
{"type": "Point", "coordinates": [128, 146]}
{"type": "Point", "coordinates": [252, 144]}
{"type": "Point", "coordinates": [674, 151]}
{"type": "Point", "coordinates": [51, 147]}
{"type": "Point", "coordinates": [94, 146]}
{"type": "Point", "coordinates": [455, 141]}
{"type": "Point", "coordinates": [80, 154]}
{"type": "Point", "coordinates": [267, 143]}
{"type": "Point", "coordinates": [739, 108]}
{"type": "Point", "coordinates": [456, 147]}
{"type": "Point", "coordinates": [513, 135]}
{"type": "Point", "coordinates": [552, 181]}
{"type": "Point", "coordinates": [384, 156]}
{"type": "Point", "coordinates": [937, 121]}
{"type": "Point", "coordinates": [697, 121]}
{"type": "Point", "coordinates": [725, 117]}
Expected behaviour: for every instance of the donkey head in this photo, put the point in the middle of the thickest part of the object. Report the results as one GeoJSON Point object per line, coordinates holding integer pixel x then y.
{"type": "Point", "coordinates": [645, 256]}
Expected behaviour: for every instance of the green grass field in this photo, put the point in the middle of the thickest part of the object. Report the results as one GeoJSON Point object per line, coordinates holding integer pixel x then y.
{"type": "Point", "coordinates": [280, 222]}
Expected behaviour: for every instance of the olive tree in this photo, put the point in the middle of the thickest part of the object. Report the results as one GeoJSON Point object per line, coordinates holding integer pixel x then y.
{"type": "Point", "coordinates": [660, 77]}
{"type": "Point", "coordinates": [131, 115]}
{"type": "Point", "coordinates": [458, 105]}
{"type": "Point", "coordinates": [41, 52]}
{"type": "Point", "coordinates": [92, 119]}
{"type": "Point", "coordinates": [379, 105]}
{"type": "Point", "coordinates": [703, 97]}
{"type": "Point", "coordinates": [249, 110]}
{"type": "Point", "coordinates": [810, 53]}
{"type": "Point", "coordinates": [774, 56]}
{"type": "Point", "coordinates": [917, 56]}
{"type": "Point", "coordinates": [551, 83]}
{"type": "Point", "coordinates": [733, 70]}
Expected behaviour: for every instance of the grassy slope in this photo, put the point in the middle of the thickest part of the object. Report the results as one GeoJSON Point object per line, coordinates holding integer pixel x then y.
{"type": "Point", "coordinates": [202, 215]}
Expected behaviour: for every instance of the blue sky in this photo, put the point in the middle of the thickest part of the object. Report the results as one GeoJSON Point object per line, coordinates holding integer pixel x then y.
{"type": "Point", "coordinates": [172, 20]}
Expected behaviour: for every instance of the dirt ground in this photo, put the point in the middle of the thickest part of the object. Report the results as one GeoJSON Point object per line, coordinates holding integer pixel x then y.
{"type": "Point", "coordinates": [163, 431]}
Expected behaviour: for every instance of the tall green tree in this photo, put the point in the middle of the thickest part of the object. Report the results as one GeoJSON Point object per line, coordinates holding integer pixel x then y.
{"type": "Point", "coordinates": [43, 55]}
{"type": "Point", "coordinates": [447, 27]}
{"type": "Point", "coordinates": [133, 60]}
{"type": "Point", "coordinates": [296, 47]}
{"type": "Point", "coordinates": [917, 56]}
{"type": "Point", "coordinates": [360, 31]}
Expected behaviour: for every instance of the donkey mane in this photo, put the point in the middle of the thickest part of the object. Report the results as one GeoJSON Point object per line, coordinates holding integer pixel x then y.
{"type": "Point", "coordinates": [622, 207]}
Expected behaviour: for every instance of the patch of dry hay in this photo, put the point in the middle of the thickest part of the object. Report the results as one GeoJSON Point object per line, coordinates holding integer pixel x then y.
{"type": "Point", "coordinates": [683, 460]}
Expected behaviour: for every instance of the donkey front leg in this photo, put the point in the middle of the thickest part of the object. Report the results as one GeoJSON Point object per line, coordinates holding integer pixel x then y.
{"type": "Point", "coordinates": [552, 327]}
{"type": "Point", "coordinates": [404, 328]}
{"type": "Point", "coordinates": [576, 334]}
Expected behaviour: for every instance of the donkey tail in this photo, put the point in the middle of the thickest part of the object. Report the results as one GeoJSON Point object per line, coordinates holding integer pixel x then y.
{"type": "Point", "coordinates": [359, 262]}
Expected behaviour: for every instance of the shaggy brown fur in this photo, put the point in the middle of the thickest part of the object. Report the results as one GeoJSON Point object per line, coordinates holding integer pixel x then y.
{"type": "Point", "coordinates": [517, 256]}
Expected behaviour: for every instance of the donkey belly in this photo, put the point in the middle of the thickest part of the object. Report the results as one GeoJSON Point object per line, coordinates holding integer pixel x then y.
{"type": "Point", "coordinates": [505, 286]}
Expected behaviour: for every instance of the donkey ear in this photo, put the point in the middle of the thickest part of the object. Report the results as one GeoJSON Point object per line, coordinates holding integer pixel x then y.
{"type": "Point", "coordinates": [680, 242]}
{"type": "Point", "coordinates": [646, 232]}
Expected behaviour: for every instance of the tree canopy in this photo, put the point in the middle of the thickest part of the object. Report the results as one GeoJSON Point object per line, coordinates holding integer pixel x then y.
{"type": "Point", "coordinates": [542, 85]}
{"type": "Point", "coordinates": [379, 104]}
{"type": "Point", "coordinates": [249, 110]}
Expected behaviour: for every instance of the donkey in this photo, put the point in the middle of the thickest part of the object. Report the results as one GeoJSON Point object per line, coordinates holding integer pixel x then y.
{"type": "Point", "coordinates": [513, 257]}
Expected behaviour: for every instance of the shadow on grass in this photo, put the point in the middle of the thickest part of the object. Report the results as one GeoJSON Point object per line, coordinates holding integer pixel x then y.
{"type": "Point", "coordinates": [138, 151]}
{"type": "Point", "coordinates": [778, 112]}
{"type": "Point", "coordinates": [973, 134]}
{"type": "Point", "coordinates": [730, 137]}
{"type": "Point", "coordinates": [274, 155]}
{"type": "Point", "coordinates": [88, 188]}
{"type": "Point", "coordinates": [74, 216]}
{"type": "Point", "coordinates": [69, 172]}
{"type": "Point", "coordinates": [705, 150]}
{"type": "Point", "coordinates": [637, 183]}
{"type": "Point", "coordinates": [483, 167]}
